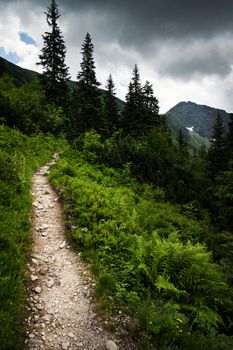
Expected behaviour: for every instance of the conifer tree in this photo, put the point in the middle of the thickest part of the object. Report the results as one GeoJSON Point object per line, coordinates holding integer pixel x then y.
{"type": "Point", "coordinates": [134, 106]}
{"type": "Point", "coordinates": [229, 140]}
{"type": "Point", "coordinates": [89, 109]}
{"type": "Point", "coordinates": [136, 88]}
{"type": "Point", "coordinates": [182, 147]}
{"type": "Point", "coordinates": [150, 101]}
{"type": "Point", "coordinates": [151, 107]}
{"type": "Point", "coordinates": [110, 106]}
{"type": "Point", "coordinates": [217, 155]}
{"type": "Point", "coordinates": [141, 111]}
{"type": "Point", "coordinates": [87, 76]}
{"type": "Point", "coordinates": [52, 59]}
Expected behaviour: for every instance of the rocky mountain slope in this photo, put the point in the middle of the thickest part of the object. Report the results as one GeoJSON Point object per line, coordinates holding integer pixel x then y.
{"type": "Point", "coordinates": [198, 117]}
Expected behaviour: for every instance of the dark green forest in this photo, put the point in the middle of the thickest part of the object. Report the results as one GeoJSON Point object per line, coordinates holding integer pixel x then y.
{"type": "Point", "coordinates": [152, 216]}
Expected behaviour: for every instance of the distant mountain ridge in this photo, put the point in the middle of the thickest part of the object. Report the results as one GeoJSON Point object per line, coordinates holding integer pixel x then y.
{"type": "Point", "coordinates": [200, 117]}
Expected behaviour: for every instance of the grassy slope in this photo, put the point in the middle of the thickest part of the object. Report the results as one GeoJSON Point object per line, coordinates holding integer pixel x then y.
{"type": "Point", "coordinates": [19, 157]}
{"type": "Point", "coordinates": [20, 75]}
{"type": "Point", "coordinates": [194, 140]}
{"type": "Point", "coordinates": [137, 246]}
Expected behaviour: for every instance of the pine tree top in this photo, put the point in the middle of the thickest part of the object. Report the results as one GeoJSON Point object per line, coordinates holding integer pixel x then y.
{"type": "Point", "coordinates": [52, 57]}
{"type": "Point", "coordinates": [110, 86]}
{"type": "Point", "coordinates": [87, 75]}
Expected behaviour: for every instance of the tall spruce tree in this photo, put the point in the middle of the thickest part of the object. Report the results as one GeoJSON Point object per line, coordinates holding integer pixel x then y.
{"type": "Point", "coordinates": [110, 106]}
{"type": "Point", "coordinates": [141, 111]}
{"type": "Point", "coordinates": [134, 106]}
{"type": "Point", "coordinates": [87, 76]}
{"type": "Point", "coordinates": [151, 103]}
{"type": "Point", "coordinates": [151, 107]}
{"type": "Point", "coordinates": [229, 140]}
{"type": "Point", "coordinates": [52, 59]}
{"type": "Point", "coordinates": [217, 151]}
{"type": "Point", "coordinates": [182, 147]}
{"type": "Point", "coordinates": [88, 102]}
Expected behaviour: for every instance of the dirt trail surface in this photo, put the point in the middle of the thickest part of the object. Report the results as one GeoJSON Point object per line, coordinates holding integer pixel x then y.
{"type": "Point", "coordinates": [60, 308]}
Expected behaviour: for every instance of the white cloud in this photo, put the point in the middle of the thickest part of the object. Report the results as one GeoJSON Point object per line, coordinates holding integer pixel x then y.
{"type": "Point", "coordinates": [10, 27]}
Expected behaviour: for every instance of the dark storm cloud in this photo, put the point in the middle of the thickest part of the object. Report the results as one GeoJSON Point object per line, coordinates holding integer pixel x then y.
{"type": "Point", "coordinates": [186, 60]}
{"type": "Point", "coordinates": [144, 26]}
{"type": "Point", "coordinates": [156, 18]}
{"type": "Point", "coordinates": [166, 18]}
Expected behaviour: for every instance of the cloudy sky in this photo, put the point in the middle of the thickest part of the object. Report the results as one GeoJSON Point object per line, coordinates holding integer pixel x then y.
{"type": "Point", "coordinates": [183, 47]}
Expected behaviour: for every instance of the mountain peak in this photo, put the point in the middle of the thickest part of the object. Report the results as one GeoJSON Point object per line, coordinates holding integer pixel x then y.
{"type": "Point", "coordinates": [196, 116]}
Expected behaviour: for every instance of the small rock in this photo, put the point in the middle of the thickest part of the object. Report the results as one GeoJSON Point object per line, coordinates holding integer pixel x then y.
{"type": "Point", "coordinates": [62, 245]}
{"type": "Point", "coordinates": [45, 226]}
{"type": "Point", "coordinates": [46, 318]}
{"type": "Point", "coordinates": [34, 278]}
{"type": "Point", "coordinates": [31, 335]}
{"type": "Point", "coordinates": [43, 272]}
{"type": "Point", "coordinates": [99, 329]}
{"type": "Point", "coordinates": [50, 283]}
{"type": "Point", "coordinates": [110, 345]}
{"type": "Point", "coordinates": [71, 335]}
{"type": "Point", "coordinates": [38, 290]}
{"type": "Point", "coordinates": [39, 307]}
{"type": "Point", "coordinates": [34, 261]}
{"type": "Point", "coordinates": [65, 346]}
{"type": "Point", "coordinates": [44, 234]}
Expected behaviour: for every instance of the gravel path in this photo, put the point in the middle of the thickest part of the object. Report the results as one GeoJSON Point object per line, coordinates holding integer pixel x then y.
{"type": "Point", "coordinates": [60, 308]}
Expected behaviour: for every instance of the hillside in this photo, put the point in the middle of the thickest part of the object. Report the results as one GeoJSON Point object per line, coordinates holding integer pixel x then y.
{"type": "Point", "coordinates": [22, 76]}
{"type": "Point", "coordinates": [200, 117]}
{"type": "Point", "coordinates": [193, 139]}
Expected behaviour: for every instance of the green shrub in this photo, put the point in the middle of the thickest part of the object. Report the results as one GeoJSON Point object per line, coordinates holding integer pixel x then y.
{"type": "Point", "coordinates": [145, 253]}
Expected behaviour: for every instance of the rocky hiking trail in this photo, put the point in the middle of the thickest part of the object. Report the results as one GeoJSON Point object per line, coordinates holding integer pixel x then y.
{"type": "Point", "coordinates": [61, 312]}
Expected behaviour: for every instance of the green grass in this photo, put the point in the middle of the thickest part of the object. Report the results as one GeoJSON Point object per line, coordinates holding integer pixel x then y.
{"type": "Point", "coordinates": [146, 256]}
{"type": "Point", "coordinates": [19, 157]}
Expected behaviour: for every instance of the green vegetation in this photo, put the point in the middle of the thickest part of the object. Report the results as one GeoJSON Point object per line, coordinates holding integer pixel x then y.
{"type": "Point", "coordinates": [19, 157]}
{"type": "Point", "coordinates": [26, 108]}
{"type": "Point", "coordinates": [145, 254]}
{"type": "Point", "coordinates": [152, 215]}
{"type": "Point", "coordinates": [21, 75]}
